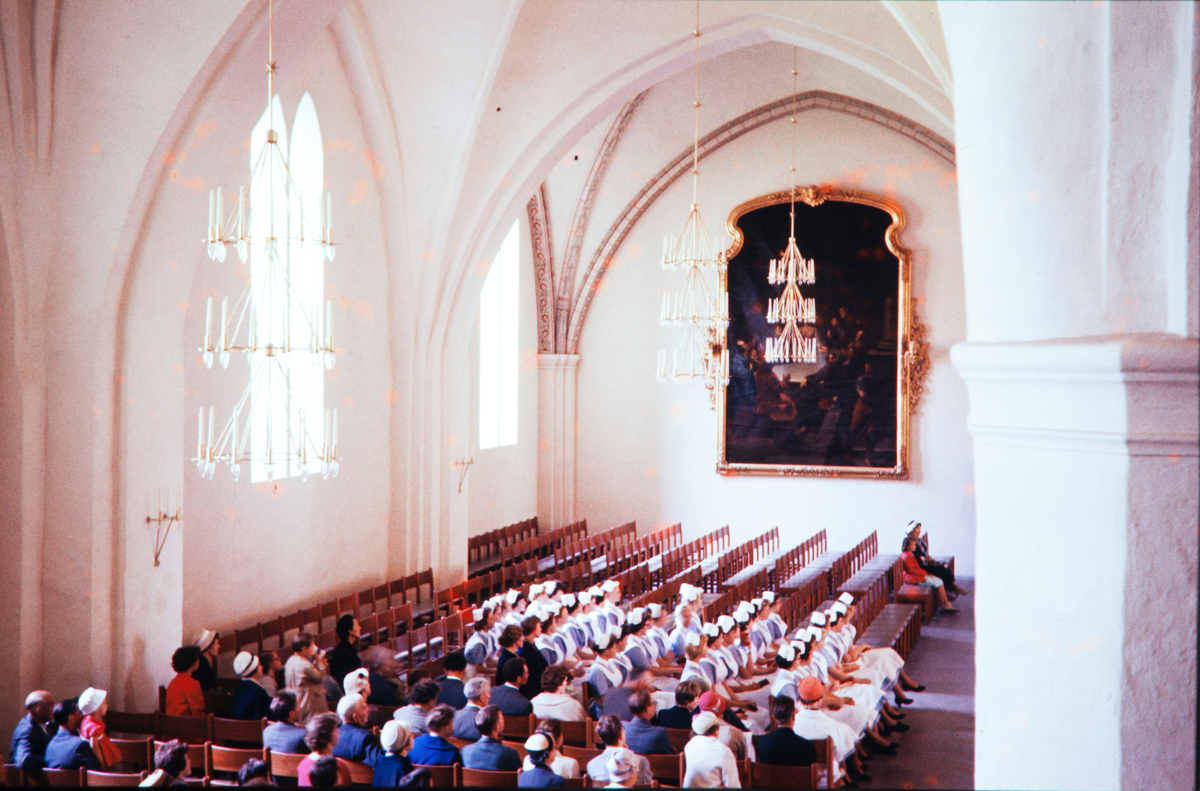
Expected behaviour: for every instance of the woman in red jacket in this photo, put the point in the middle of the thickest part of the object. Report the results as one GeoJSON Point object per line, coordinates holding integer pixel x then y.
{"type": "Point", "coordinates": [913, 575]}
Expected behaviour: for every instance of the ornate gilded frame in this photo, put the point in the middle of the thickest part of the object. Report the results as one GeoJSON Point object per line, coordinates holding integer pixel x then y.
{"type": "Point", "coordinates": [912, 349]}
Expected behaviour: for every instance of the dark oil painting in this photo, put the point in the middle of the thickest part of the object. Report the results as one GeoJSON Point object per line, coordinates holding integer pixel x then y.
{"type": "Point", "coordinates": [838, 415]}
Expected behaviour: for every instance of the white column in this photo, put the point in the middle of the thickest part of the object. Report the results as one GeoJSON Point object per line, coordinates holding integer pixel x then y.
{"type": "Point", "coordinates": [1072, 124]}
{"type": "Point", "coordinates": [558, 377]}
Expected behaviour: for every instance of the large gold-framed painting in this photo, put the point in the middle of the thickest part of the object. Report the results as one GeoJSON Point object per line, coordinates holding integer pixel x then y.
{"type": "Point", "coordinates": [847, 412]}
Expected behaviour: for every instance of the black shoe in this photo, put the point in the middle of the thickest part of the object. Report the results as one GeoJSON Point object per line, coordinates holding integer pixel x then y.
{"type": "Point", "coordinates": [889, 750]}
{"type": "Point", "coordinates": [903, 701]}
{"type": "Point", "coordinates": [917, 688]}
{"type": "Point", "coordinates": [898, 715]}
{"type": "Point", "coordinates": [900, 727]}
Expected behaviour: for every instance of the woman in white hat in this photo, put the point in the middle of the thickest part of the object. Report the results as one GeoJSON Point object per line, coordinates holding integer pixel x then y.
{"type": "Point", "coordinates": [250, 699]}
{"type": "Point", "coordinates": [709, 763]}
{"type": "Point", "coordinates": [695, 648]}
{"type": "Point", "coordinates": [537, 772]}
{"type": "Point", "coordinates": [481, 649]}
{"type": "Point", "coordinates": [604, 674]}
{"type": "Point", "coordinates": [93, 704]}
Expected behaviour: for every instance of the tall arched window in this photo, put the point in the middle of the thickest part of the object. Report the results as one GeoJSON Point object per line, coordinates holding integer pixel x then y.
{"type": "Point", "coordinates": [498, 347]}
{"type": "Point", "coordinates": [304, 263]}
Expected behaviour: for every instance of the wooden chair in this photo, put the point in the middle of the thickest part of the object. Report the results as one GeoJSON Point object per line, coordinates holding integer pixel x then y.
{"type": "Point", "coordinates": [360, 773]}
{"type": "Point", "coordinates": [129, 723]}
{"type": "Point", "coordinates": [459, 743]}
{"type": "Point", "coordinates": [667, 769]}
{"type": "Point", "coordinates": [115, 779]}
{"type": "Point", "coordinates": [518, 729]}
{"type": "Point", "coordinates": [679, 738]}
{"type": "Point", "coordinates": [581, 754]}
{"type": "Point", "coordinates": [226, 732]}
{"type": "Point", "coordinates": [579, 734]}
{"type": "Point", "coordinates": [443, 776]}
{"type": "Point", "coordinates": [193, 730]}
{"type": "Point", "coordinates": [218, 703]}
{"type": "Point", "coordinates": [134, 752]}
{"type": "Point", "coordinates": [248, 639]}
{"type": "Point", "coordinates": [231, 759]}
{"type": "Point", "coordinates": [286, 764]}
{"type": "Point", "coordinates": [12, 776]}
{"type": "Point", "coordinates": [576, 782]}
{"type": "Point", "coordinates": [330, 613]}
{"type": "Point", "coordinates": [290, 626]}
{"type": "Point", "coordinates": [73, 778]}
{"type": "Point", "coordinates": [770, 776]}
{"type": "Point", "coordinates": [311, 617]}
{"type": "Point", "coordinates": [475, 778]}
{"type": "Point", "coordinates": [197, 754]}
{"type": "Point", "coordinates": [825, 757]}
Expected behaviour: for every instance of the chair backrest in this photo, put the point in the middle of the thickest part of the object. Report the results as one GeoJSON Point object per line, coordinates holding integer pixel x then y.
{"type": "Point", "coordinates": [519, 728]}
{"type": "Point", "coordinates": [193, 730]}
{"type": "Point", "coordinates": [486, 779]}
{"type": "Point", "coordinates": [581, 754]}
{"type": "Point", "coordinates": [579, 734]}
{"type": "Point", "coordinates": [575, 782]}
{"type": "Point", "coordinates": [66, 777]}
{"type": "Point", "coordinates": [12, 776]}
{"type": "Point", "coordinates": [443, 776]}
{"type": "Point", "coordinates": [197, 754]}
{"type": "Point", "coordinates": [825, 756]}
{"type": "Point", "coordinates": [231, 759]}
{"type": "Point", "coordinates": [134, 751]}
{"type": "Point", "coordinates": [679, 738]}
{"type": "Point", "coordinates": [113, 779]}
{"type": "Point", "coordinates": [771, 776]}
{"type": "Point", "coordinates": [127, 722]}
{"type": "Point", "coordinates": [286, 764]}
{"type": "Point", "coordinates": [667, 768]}
{"type": "Point", "coordinates": [218, 702]}
{"type": "Point", "coordinates": [360, 773]}
{"type": "Point", "coordinates": [225, 731]}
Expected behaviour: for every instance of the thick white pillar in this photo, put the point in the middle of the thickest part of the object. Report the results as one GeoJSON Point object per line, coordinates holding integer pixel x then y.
{"type": "Point", "coordinates": [1073, 127]}
{"type": "Point", "coordinates": [558, 377]}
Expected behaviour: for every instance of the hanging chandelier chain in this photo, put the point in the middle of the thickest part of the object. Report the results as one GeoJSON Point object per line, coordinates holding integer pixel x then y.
{"type": "Point", "coordinates": [696, 113]}
{"type": "Point", "coordinates": [792, 308]}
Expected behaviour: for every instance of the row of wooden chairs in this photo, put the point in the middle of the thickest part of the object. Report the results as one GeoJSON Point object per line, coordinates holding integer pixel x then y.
{"type": "Point", "coordinates": [544, 544]}
{"type": "Point", "coordinates": [849, 564]}
{"type": "Point", "coordinates": [744, 591]}
{"type": "Point", "coordinates": [796, 559]}
{"type": "Point", "coordinates": [483, 551]}
{"type": "Point", "coordinates": [591, 548]}
{"type": "Point", "coordinates": [276, 634]}
{"type": "Point", "coordinates": [739, 558]}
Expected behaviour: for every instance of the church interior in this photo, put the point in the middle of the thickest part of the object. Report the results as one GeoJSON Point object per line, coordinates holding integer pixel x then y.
{"type": "Point", "coordinates": [498, 341]}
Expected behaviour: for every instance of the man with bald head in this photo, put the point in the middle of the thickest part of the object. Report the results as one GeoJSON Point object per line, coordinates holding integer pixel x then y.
{"type": "Point", "coordinates": [33, 732]}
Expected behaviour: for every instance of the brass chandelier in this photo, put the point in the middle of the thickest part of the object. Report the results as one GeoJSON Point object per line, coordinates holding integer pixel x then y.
{"type": "Point", "coordinates": [701, 353]}
{"type": "Point", "coordinates": [271, 324]}
{"type": "Point", "coordinates": [792, 308]}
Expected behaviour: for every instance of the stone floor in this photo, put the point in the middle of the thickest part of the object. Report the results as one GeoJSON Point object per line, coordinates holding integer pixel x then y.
{"type": "Point", "coordinates": [939, 751]}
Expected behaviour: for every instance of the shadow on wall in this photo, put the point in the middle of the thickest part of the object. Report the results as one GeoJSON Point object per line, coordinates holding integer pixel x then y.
{"type": "Point", "coordinates": [136, 670]}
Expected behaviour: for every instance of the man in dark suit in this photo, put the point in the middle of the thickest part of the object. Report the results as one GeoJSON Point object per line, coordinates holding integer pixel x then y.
{"type": "Point", "coordinates": [489, 752]}
{"type": "Point", "coordinates": [680, 715]}
{"type": "Point", "coordinates": [355, 742]}
{"type": "Point", "coordinates": [642, 737]}
{"type": "Point", "coordinates": [507, 697]}
{"type": "Point", "coordinates": [33, 732]}
{"type": "Point", "coordinates": [68, 750]}
{"type": "Point", "coordinates": [478, 691]}
{"type": "Point", "coordinates": [451, 692]}
{"type": "Point", "coordinates": [284, 735]}
{"type": "Point", "coordinates": [344, 656]}
{"type": "Point", "coordinates": [782, 747]}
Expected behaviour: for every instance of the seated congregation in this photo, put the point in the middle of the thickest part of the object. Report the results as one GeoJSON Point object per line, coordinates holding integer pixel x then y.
{"type": "Point", "coordinates": [552, 687]}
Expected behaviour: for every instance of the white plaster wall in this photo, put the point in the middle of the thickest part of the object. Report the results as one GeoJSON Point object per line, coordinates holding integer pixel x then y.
{"type": "Point", "coordinates": [648, 451]}
{"type": "Point", "coordinates": [276, 539]}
